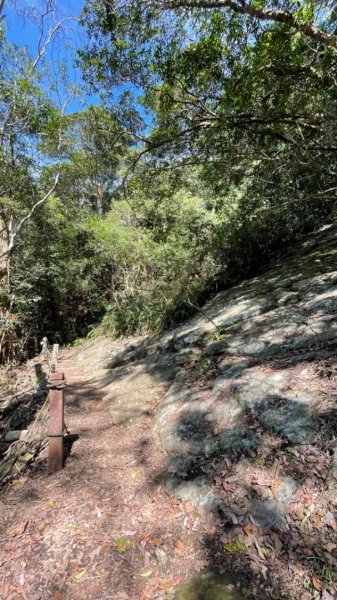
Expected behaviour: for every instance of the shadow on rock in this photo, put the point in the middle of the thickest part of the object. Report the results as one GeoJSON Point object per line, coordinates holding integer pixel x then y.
{"type": "Point", "coordinates": [69, 441]}
{"type": "Point", "coordinates": [253, 492]}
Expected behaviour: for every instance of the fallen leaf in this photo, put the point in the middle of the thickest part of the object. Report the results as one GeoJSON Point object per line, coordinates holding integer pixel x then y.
{"type": "Point", "coordinates": [264, 571]}
{"type": "Point", "coordinates": [145, 595]}
{"type": "Point", "coordinates": [80, 574]}
{"type": "Point", "coordinates": [166, 585]}
{"type": "Point", "coordinates": [330, 547]}
{"type": "Point", "coordinates": [180, 548]}
{"type": "Point", "coordinates": [259, 550]}
{"type": "Point", "coordinates": [26, 457]}
{"type": "Point", "coordinates": [21, 529]}
{"type": "Point", "coordinates": [274, 492]}
{"type": "Point", "coordinates": [98, 550]}
{"type": "Point", "coordinates": [20, 481]}
{"type": "Point", "coordinates": [277, 544]}
{"type": "Point", "coordinates": [240, 545]}
{"type": "Point", "coordinates": [229, 548]}
{"type": "Point", "coordinates": [248, 529]}
{"type": "Point", "coordinates": [146, 573]}
{"type": "Point", "coordinates": [316, 583]}
{"type": "Point", "coordinates": [316, 522]}
{"type": "Point", "coordinates": [121, 544]}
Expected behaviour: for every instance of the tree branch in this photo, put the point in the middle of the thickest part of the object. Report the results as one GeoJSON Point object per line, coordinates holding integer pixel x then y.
{"type": "Point", "coordinates": [13, 236]}
{"type": "Point", "coordinates": [51, 34]}
{"type": "Point", "coordinates": [263, 14]}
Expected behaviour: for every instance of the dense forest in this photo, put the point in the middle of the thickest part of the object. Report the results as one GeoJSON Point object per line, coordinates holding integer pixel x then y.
{"type": "Point", "coordinates": [211, 144]}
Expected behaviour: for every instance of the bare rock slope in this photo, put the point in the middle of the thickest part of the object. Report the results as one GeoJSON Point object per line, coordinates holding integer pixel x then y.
{"type": "Point", "coordinates": [238, 373]}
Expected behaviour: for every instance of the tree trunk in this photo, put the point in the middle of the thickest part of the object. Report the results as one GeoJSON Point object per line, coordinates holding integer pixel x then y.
{"type": "Point", "coordinates": [7, 329]}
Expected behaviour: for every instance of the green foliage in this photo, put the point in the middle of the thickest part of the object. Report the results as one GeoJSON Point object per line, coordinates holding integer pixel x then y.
{"type": "Point", "coordinates": [57, 293]}
{"type": "Point", "coordinates": [75, 343]}
{"type": "Point", "coordinates": [94, 149]}
{"type": "Point", "coordinates": [157, 261]}
{"type": "Point", "coordinates": [220, 150]}
{"type": "Point", "coordinates": [170, 248]}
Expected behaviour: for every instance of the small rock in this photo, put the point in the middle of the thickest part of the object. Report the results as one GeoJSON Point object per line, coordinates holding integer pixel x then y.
{"type": "Point", "coordinates": [161, 556]}
{"type": "Point", "coordinates": [328, 518]}
{"type": "Point", "coordinates": [196, 491]}
{"type": "Point", "coordinates": [270, 514]}
{"type": "Point", "coordinates": [212, 586]}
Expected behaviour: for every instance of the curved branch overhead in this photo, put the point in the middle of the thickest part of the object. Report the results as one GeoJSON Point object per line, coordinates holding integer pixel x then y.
{"type": "Point", "coordinates": [262, 13]}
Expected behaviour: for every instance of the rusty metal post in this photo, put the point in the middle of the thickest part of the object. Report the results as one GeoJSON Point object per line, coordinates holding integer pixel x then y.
{"type": "Point", "coordinates": [56, 422]}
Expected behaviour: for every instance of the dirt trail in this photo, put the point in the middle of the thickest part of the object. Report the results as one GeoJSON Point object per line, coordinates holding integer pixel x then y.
{"type": "Point", "coordinates": [103, 527]}
{"type": "Point", "coordinates": [246, 420]}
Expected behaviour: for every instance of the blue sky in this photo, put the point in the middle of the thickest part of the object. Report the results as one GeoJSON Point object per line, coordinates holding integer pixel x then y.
{"type": "Point", "coordinates": [61, 52]}
{"type": "Point", "coordinates": [24, 31]}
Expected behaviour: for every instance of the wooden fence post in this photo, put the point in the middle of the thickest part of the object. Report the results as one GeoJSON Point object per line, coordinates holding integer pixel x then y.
{"type": "Point", "coordinates": [56, 422]}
